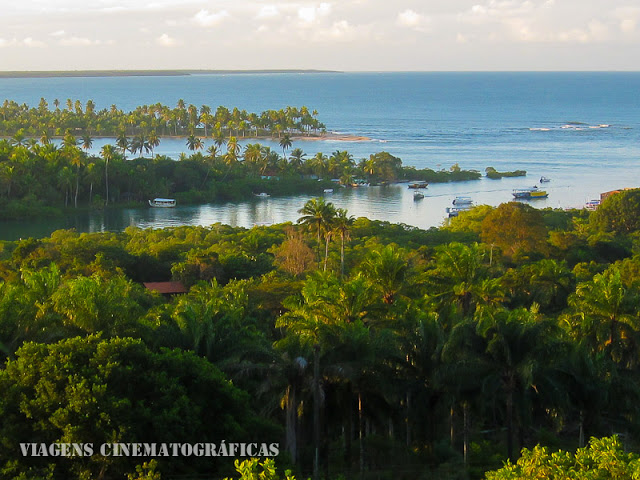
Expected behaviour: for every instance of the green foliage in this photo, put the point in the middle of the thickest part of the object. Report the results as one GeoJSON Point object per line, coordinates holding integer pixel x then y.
{"type": "Point", "coordinates": [89, 390]}
{"type": "Point", "coordinates": [495, 175]}
{"type": "Point", "coordinates": [254, 469]}
{"type": "Point", "coordinates": [619, 213]}
{"type": "Point", "coordinates": [604, 458]}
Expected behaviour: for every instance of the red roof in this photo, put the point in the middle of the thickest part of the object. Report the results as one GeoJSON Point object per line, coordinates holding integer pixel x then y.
{"type": "Point", "coordinates": [166, 287]}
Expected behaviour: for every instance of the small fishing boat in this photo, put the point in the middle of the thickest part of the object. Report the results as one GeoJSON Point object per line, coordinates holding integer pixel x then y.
{"type": "Point", "coordinates": [418, 185]}
{"type": "Point", "coordinates": [418, 195]}
{"type": "Point", "coordinates": [162, 202]}
{"type": "Point", "coordinates": [529, 193]}
{"type": "Point", "coordinates": [262, 195]}
{"type": "Point", "coordinates": [544, 179]}
{"type": "Point", "coordinates": [328, 190]}
{"type": "Point", "coordinates": [462, 201]}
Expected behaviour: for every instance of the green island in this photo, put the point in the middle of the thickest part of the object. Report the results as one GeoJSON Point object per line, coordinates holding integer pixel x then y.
{"type": "Point", "coordinates": [504, 345]}
{"type": "Point", "coordinates": [496, 175]}
{"type": "Point", "coordinates": [39, 177]}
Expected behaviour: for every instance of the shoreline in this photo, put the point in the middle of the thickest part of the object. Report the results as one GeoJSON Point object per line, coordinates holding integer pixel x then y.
{"type": "Point", "coordinates": [147, 73]}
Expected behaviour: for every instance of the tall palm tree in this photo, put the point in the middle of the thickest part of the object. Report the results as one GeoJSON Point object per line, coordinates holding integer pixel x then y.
{"type": "Point", "coordinates": [317, 214]}
{"type": "Point", "coordinates": [285, 144]}
{"type": "Point", "coordinates": [153, 141]}
{"type": "Point", "coordinates": [194, 143]}
{"type": "Point", "coordinates": [108, 152]}
{"type": "Point", "coordinates": [342, 223]}
{"type": "Point", "coordinates": [87, 142]}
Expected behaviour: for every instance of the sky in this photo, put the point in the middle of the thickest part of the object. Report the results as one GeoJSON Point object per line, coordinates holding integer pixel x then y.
{"type": "Point", "coordinates": [347, 35]}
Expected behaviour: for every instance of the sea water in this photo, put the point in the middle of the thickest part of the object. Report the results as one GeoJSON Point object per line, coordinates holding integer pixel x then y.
{"type": "Point", "coordinates": [582, 130]}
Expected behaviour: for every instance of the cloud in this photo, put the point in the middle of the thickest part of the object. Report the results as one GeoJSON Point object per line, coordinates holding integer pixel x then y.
{"type": "Point", "coordinates": [166, 41]}
{"type": "Point", "coordinates": [410, 18]}
{"type": "Point", "coordinates": [78, 42]}
{"type": "Point", "coordinates": [206, 19]}
{"type": "Point", "coordinates": [312, 13]}
{"type": "Point", "coordinates": [57, 33]}
{"type": "Point", "coordinates": [31, 43]}
{"type": "Point", "coordinates": [268, 11]}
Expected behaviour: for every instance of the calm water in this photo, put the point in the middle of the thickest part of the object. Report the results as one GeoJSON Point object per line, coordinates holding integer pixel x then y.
{"type": "Point", "coordinates": [580, 129]}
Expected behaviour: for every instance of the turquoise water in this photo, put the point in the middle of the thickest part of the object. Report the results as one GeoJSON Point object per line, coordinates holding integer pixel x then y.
{"type": "Point", "coordinates": [580, 129]}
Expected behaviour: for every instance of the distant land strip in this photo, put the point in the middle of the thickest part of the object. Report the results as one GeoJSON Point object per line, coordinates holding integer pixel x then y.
{"type": "Point", "coordinates": [143, 73]}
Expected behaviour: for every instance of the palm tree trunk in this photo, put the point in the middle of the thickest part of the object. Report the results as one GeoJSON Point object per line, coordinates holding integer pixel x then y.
{"type": "Point", "coordinates": [75, 200]}
{"type": "Point", "coordinates": [291, 423]}
{"type": "Point", "coordinates": [316, 411]}
{"type": "Point", "coordinates": [360, 435]}
{"type": "Point", "coordinates": [510, 424]}
{"type": "Point", "coordinates": [106, 181]}
{"type": "Point", "coordinates": [90, 192]}
{"type": "Point", "coordinates": [342, 255]}
{"type": "Point", "coordinates": [451, 426]}
{"type": "Point", "coordinates": [465, 432]}
{"type": "Point", "coordinates": [326, 250]}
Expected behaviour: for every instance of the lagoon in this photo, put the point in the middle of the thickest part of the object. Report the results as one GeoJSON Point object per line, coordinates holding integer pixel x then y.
{"type": "Point", "coordinates": [582, 130]}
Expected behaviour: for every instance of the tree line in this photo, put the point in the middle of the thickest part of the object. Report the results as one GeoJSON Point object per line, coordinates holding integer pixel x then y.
{"type": "Point", "coordinates": [366, 348]}
{"type": "Point", "coordinates": [40, 177]}
{"type": "Point", "coordinates": [152, 120]}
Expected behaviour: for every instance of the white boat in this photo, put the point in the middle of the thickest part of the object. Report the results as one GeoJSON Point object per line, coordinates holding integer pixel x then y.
{"type": "Point", "coordinates": [544, 179]}
{"type": "Point", "coordinates": [592, 205]}
{"type": "Point", "coordinates": [529, 193]}
{"type": "Point", "coordinates": [462, 201]}
{"type": "Point", "coordinates": [262, 195]}
{"type": "Point", "coordinates": [328, 190]}
{"type": "Point", "coordinates": [418, 195]}
{"type": "Point", "coordinates": [162, 202]}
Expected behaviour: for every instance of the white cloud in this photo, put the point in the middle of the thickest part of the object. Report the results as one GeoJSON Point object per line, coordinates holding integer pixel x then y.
{"type": "Point", "coordinates": [166, 41]}
{"type": "Point", "coordinates": [78, 42]}
{"type": "Point", "coordinates": [57, 33]}
{"type": "Point", "coordinates": [312, 13]}
{"type": "Point", "coordinates": [206, 19]}
{"type": "Point", "coordinates": [268, 11]}
{"type": "Point", "coordinates": [410, 18]}
{"type": "Point", "coordinates": [31, 43]}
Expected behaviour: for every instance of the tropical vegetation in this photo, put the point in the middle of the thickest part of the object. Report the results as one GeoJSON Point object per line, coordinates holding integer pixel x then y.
{"type": "Point", "coordinates": [364, 348]}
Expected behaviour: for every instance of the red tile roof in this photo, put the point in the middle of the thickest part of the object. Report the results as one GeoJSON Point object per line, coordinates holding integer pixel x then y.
{"type": "Point", "coordinates": [166, 287]}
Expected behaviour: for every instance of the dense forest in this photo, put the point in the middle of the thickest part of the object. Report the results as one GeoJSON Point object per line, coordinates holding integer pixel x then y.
{"type": "Point", "coordinates": [365, 349]}
{"type": "Point", "coordinates": [151, 121]}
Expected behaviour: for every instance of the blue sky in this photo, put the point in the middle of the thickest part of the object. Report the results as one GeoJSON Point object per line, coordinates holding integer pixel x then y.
{"type": "Point", "coordinates": [347, 35]}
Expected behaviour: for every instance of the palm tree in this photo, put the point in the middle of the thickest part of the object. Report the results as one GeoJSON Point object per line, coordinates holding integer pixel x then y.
{"type": "Point", "coordinates": [296, 159]}
{"type": "Point", "coordinates": [87, 142]}
{"type": "Point", "coordinates": [77, 160]}
{"type": "Point", "coordinates": [317, 214]}
{"type": "Point", "coordinates": [342, 223]}
{"type": "Point", "coordinates": [108, 152]}
{"type": "Point", "coordinates": [122, 141]}
{"type": "Point", "coordinates": [194, 143]}
{"type": "Point", "coordinates": [388, 268]}
{"type": "Point", "coordinates": [285, 144]}
{"type": "Point", "coordinates": [153, 141]}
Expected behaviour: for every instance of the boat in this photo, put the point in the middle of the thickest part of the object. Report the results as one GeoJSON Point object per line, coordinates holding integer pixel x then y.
{"type": "Point", "coordinates": [418, 195]}
{"type": "Point", "coordinates": [462, 201]}
{"type": "Point", "coordinates": [592, 205]}
{"type": "Point", "coordinates": [544, 179]}
{"type": "Point", "coordinates": [529, 193]}
{"type": "Point", "coordinates": [163, 202]}
{"type": "Point", "coordinates": [418, 185]}
{"type": "Point", "coordinates": [262, 195]}
{"type": "Point", "coordinates": [454, 211]}
{"type": "Point", "coordinates": [328, 190]}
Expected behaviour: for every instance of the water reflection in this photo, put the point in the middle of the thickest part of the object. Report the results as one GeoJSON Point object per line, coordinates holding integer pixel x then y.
{"type": "Point", "coordinates": [393, 203]}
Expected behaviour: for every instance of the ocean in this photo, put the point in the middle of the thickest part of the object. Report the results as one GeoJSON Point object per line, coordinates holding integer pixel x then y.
{"type": "Point", "coordinates": [580, 129]}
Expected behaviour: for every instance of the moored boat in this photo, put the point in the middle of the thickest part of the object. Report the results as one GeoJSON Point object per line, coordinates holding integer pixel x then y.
{"type": "Point", "coordinates": [462, 201]}
{"type": "Point", "coordinates": [529, 193]}
{"type": "Point", "coordinates": [328, 190]}
{"type": "Point", "coordinates": [163, 202]}
{"type": "Point", "coordinates": [418, 195]}
{"type": "Point", "coordinates": [262, 195]}
{"type": "Point", "coordinates": [544, 179]}
{"type": "Point", "coordinates": [418, 185]}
